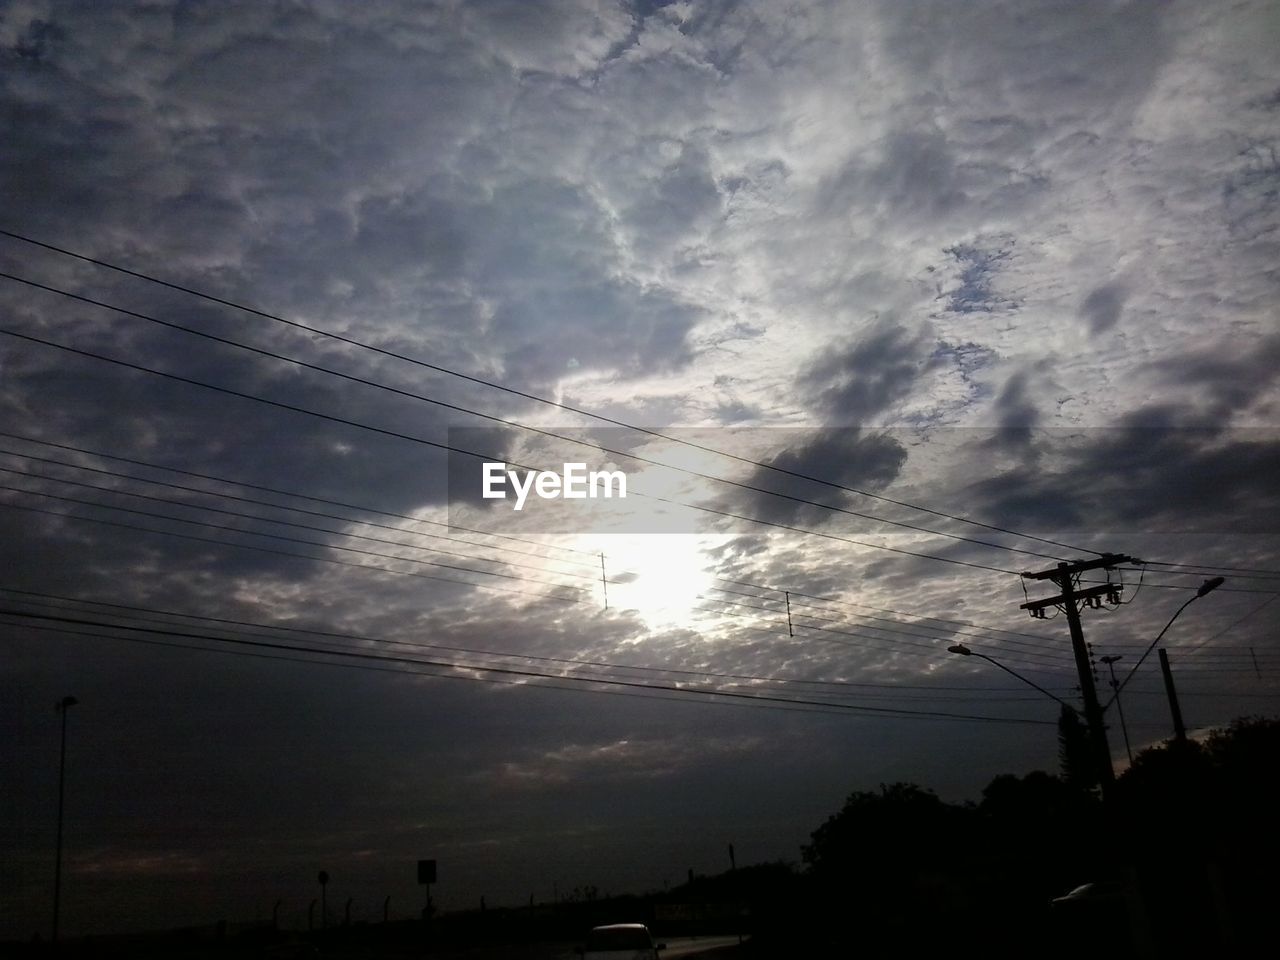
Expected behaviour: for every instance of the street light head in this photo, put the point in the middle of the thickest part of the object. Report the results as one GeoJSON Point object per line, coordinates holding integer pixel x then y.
{"type": "Point", "coordinates": [1113, 658]}
{"type": "Point", "coordinates": [67, 702]}
{"type": "Point", "coordinates": [959, 648]}
{"type": "Point", "coordinates": [1210, 585]}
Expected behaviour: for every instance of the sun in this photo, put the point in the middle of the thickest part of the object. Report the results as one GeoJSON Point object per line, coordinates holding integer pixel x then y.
{"type": "Point", "coordinates": [661, 577]}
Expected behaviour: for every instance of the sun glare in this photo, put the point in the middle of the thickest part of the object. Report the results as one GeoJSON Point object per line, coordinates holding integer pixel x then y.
{"type": "Point", "coordinates": [662, 578]}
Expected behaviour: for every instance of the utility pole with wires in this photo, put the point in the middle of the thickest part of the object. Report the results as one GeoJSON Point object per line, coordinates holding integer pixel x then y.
{"type": "Point", "coordinates": [1115, 685]}
{"type": "Point", "coordinates": [1064, 576]}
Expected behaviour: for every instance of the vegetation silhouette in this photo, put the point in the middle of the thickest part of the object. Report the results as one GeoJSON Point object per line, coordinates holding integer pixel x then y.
{"type": "Point", "coordinates": [1180, 858]}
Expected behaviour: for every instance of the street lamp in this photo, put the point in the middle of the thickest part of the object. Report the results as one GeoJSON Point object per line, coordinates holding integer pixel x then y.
{"type": "Point", "coordinates": [1111, 665]}
{"type": "Point", "coordinates": [62, 706]}
{"type": "Point", "coordinates": [964, 651]}
{"type": "Point", "coordinates": [1205, 588]}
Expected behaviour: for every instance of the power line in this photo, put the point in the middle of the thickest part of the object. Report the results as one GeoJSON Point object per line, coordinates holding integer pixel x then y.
{"type": "Point", "coordinates": [512, 423]}
{"type": "Point", "coordinates": [443, 446]}
{"type": "Point", "coordinates": [865, 642]}
{"type": "Point", "coordinates": [949, 630]}
{"type": "Point", "coordinates": [1181, 586]}
{"type": "Point", "coordinates": [1197, 569]}
{"type": "Point", "coordinates": [286, 553]}
{"type": "Point", "coordinates": [248, 516]}
{"type": "Point", "coordinates": [350, 341]}
{"type": "Point", "coordinates": [278, 506]}
{"type": "Point", "coordinates": [1234, 694]}
{"type": "Point", "coordinates": [1193, 649]}
{"type": "Point", "coordinates": [304, 496]}
{"type": "Point", "coordinates": [510, 671]}
{"type": "Point", "coordinates": [426, 672]}
{"type": "Point", "coordinates": [1205, 570]}
{"type": "Point", "coordinates": [865, 606]}
{"type": "Point", "coordinates": [154, 616]}
{"type": "Point", "coordinates": [926, 636]}
{"type": "Point", "coordinates": [283, 537]}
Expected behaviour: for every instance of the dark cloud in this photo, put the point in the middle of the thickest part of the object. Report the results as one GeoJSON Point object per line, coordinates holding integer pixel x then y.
{"type": "Point", "coordinates": [1017, 415]}
{"type": "Point", "coordinates": [846, 456]}
{"type": "Point", "coordinates": [854, 383]}
{"type": "Point", "coordinates": [1251, 190]}
{"type": "Point", "coordinates": [1101, 308]}
{"type": "Point", "coordinates": [735, 411]}
{"type": "Point", "coordinates": [1162, 469]}
{"type": "Point", "coordinates": [917, 175]}
{"type": "Point", "coordinates": [1233, 379]}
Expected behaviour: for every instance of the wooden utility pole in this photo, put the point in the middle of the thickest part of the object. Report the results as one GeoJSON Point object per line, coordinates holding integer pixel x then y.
{"type": "Point", "coordinates": [1179, 731]}
{"type": "Point", "coordinates": [1069, 600]}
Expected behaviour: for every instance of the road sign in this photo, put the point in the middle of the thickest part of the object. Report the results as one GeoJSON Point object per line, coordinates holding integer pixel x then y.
{"type": "Point", "coordinates": [426, 871]}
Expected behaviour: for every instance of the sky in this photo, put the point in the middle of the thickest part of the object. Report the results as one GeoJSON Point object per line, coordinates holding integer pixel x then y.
{"type": "Point", "coordinates": [907, 297]}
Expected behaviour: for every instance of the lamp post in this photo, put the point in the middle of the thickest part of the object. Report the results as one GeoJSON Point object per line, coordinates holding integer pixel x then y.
{"type": "Point", "coordinates": [62, 707]}
{"type": "Point", "coordinates": [964, 651]}
{"type": "Point", "coordinates": [1111, 665]}
{"type": "Point", "coordinates": [1205, 588]}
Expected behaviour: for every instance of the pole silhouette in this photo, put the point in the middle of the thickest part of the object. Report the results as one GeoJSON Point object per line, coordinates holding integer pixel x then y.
{"type": "Point", "coordinates": [63, 705]}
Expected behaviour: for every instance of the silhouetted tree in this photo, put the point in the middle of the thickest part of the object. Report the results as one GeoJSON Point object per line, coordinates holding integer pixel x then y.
{"type": "Point", "coordinates": [1248, 749]}
{"type": "Point", "coordinates": [901, 824]}
{"type": "Point", "coordinates": [1074, 754]}
{"type": "Point", "coordinates": [1038, 797]}
{"type": "Point", "coordinates": [1040, 836]}
{"type": "Point", "coordinates": [1198, 823]}
{"type": "Point", "coordinates": [887, 855]}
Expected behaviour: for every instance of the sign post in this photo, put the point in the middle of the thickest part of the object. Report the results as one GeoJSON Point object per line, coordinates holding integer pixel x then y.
{"type": "Point", "coordinates": [324, 903]}
{"type": "Point", "coordinates": [426, 877]}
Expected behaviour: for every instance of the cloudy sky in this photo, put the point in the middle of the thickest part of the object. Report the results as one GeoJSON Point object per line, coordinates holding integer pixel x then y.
{"type": "Point", "coordinates": [960, 290]}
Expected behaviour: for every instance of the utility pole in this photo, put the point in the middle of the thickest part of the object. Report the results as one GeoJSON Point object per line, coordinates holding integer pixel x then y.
{"type": "Point", "coordinates": [1115, 685]}
{"type": "Point", "coordinates": [1179, 731]}
{"type": "Point", "coordinates": [62, 707]}
{"type": "Point", "coordinates": [1064, 577]}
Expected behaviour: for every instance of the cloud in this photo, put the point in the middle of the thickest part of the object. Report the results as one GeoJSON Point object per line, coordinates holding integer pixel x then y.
{"type": "Point", "coordinates": [1015, 265]}
{"type": "Point", "coordinates": [565, 37]}
{"type": "Point", "coordinates": [857, 382]}
{"type": "Point", "coordinates": [1118, 480]}
{"type": "Point", "coordinates": [619, 760]}
{"type": "Point", "coordinates": [979, 262]}
{"type": "Point", "coordinates": [1234, 380]}
{"type": "Point", "coordinates": [1101, 308]}
{"type": "Point", "coordinates": [843, 455]}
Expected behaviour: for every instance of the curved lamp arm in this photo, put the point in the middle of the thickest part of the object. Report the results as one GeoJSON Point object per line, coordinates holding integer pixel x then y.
{"type": "Point", "coordinates": [1207, 587]}
{"type": "Point", "coordinates": [964, 651]}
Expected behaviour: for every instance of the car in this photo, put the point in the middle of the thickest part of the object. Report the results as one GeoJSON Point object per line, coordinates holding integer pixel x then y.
{"type": "Point", "coordinates": [620, 941]}
{"type": "Point", "coordinates": [1107, 892]}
